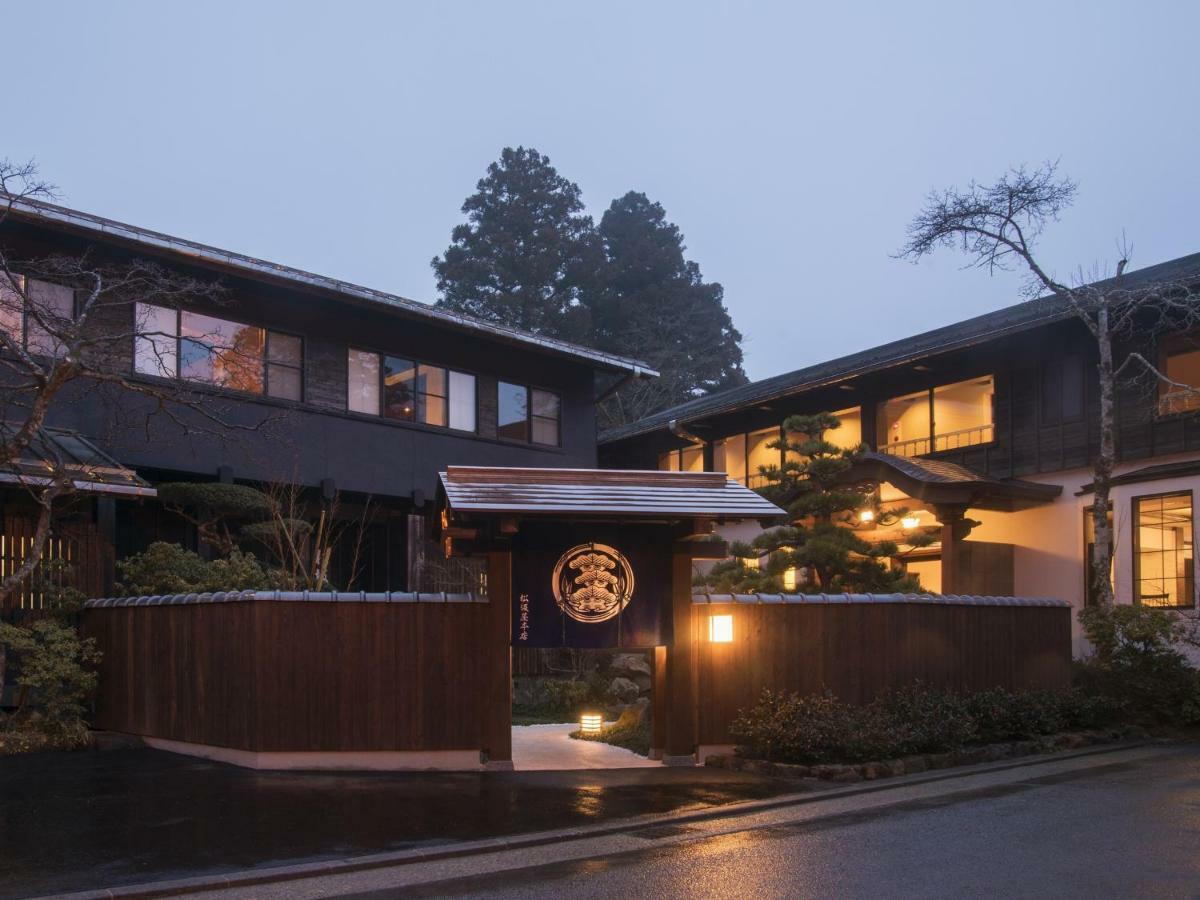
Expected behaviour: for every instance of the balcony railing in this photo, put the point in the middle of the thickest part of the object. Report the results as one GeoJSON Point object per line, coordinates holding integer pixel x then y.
{"type": "Point", "coordinates": [950, 440]}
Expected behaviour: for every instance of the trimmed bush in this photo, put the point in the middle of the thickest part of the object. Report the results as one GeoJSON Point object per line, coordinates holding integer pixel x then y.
{"type": "Point", "coordinates": [815, 729]}
{"type": "Point", "coordinates": [164, 568]}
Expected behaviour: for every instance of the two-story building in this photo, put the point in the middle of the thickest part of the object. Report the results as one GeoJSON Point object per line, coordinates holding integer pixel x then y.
{"type": "Point", "coordinates": [366, 395]}
{"type": "Point", "coordinates": [985, 431]}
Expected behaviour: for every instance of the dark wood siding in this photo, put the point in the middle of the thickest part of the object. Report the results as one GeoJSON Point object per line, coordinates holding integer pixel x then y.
{"type": "Point", "coordinates": [857, 650]}
{"type": "Point", "coordinates": [295, 676]}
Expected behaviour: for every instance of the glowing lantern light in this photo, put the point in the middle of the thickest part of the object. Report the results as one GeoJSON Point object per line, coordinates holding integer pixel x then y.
{"type": "Point", "coordinates": [866, 515]}
{"type": "Point", "coordinates": [910, 522]}
{"type": "Point", "coordinates": [589, 723]}
{"type": "Point", "coordinates": [720, 629]}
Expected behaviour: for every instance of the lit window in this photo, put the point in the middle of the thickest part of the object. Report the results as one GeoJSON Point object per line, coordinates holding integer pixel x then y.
{"type": "Point", "coordinates": [431, 395]}
{"type": "Point", "coordinates": [1163, 571]}
{"type": "Point", "coordinates": [363, 381]}
{"type": "Point", "coordinates": [761, 455]}
{"type": "Point", "coordinates": [12, 306]}
{"type": "Point", "coordinates": [1090, 595]}
{"type": "Point", "coordinates": [691, 459]}
{"type": "Point", "coordinates": [669, 461]}
{"type": "Point", "coordinates": [729, 456]}
{"type": "Point", "coordinates": [943, 418]}
{"type": "Point", "coordinates": [1180, 361]}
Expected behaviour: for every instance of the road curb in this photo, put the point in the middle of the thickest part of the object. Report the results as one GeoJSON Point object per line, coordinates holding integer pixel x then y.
{"type": "Point", "coordinates": [274, 874]}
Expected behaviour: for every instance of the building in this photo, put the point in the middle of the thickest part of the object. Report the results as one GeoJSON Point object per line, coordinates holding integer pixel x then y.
{"type": "Point", "coordinates": [366, 395]}
{"type": "Point", "coordinates": [985, 430]}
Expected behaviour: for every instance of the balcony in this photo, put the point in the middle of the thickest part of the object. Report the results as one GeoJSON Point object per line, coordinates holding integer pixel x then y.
{"type": "Point", "coordinates": [950, 440]}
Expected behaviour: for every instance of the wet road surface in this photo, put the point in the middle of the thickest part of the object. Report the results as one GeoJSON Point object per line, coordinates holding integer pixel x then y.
{"type": "Point", "coordinates": [78, 821]}
{"type": "Point", "coordinates": [1119, 830]}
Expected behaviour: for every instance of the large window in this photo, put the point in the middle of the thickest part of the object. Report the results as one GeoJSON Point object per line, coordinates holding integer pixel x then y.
{"type": "Point", "coordinates": [761, 455]}
{"type": "Point", "coordinates": [689, 459]}
{"type": "Point", "coordinates": [35, 318]}
{"type": "Point", "coordinates": [942, 418]}
{"type": "Point", "coordinates": [530, 415]}
{"type": "Point", "coordinates": [1163, 574]}
{"type": "Point", "coordinates": [1179, 360]}
{"type": "Point", "coordinates": [729, 456]}
{"type": "Point", "coordinates": [408, 391]}
{"type": "Point", "coordinates": [171, 343]}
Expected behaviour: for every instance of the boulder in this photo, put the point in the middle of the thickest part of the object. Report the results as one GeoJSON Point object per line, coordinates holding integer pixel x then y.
{"type": "Point", "coordinates": [631, 664]}
{"type": "Point", "coordinates": [624, 690]}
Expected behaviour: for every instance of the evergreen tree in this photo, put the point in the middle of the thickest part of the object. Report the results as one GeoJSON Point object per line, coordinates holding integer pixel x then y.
{"type": "Point", "coordinates": [821, 542]}
{"type": "Point", "coordinates": [526, 253]}
{"type": "Point", "coordinates": [655, 306]}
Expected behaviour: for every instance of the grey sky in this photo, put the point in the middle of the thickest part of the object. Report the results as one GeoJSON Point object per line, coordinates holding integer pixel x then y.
{"type": "Point", "coordinates": [791, 142]}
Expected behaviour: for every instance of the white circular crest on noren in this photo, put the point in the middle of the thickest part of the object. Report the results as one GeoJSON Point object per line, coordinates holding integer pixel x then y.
{"type": "Point", "coordinates": [592, 582]}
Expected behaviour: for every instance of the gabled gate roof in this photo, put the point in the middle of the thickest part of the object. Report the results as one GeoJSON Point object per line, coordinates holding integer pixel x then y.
{"type": "Point", "coordinates": [601, 492]}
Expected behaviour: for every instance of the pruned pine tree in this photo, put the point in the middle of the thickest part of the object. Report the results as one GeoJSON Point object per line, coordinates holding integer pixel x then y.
{"type": "Point", "coordinates": [821, 543]}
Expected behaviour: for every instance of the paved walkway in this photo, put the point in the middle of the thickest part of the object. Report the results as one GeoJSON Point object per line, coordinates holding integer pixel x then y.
{"type": "Point", "coordinates": [549, 748]}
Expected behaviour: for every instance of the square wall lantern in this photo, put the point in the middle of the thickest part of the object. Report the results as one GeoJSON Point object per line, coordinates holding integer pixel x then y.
{"type": "Point", "coordinates": [720, 629]}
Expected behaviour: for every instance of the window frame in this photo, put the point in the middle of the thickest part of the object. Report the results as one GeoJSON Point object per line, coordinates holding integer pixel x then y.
{"type": "Point", "coordinates": [1134, 543]}
{"type": "Point", "coordinates": [930, 403]}
{"type": "Point", "coordinates": [26, 280]}
{"type": "Point", "coordinates": [1089, 549]}
{"type": "Point", "coordinates": [529, 415]}
{"type": "Point", "coordinates": [416, 363]}
{"type": "Point", "coordinates": [1166, 347]}
{"type": "Point", "coordinates": [264, 394]}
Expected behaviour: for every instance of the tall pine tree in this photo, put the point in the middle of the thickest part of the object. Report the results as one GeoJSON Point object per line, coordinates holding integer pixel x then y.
{"type": "Point", "coordinates": [527, 252]}
{"type": "Point", "coordinates": [654, 305]}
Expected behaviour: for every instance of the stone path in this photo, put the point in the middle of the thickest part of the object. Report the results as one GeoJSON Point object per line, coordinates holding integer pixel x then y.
{"type": "Point", "coordinates": [549, 748]}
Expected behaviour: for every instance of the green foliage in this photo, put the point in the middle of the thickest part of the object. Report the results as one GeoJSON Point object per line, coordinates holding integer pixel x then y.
{"type": "Point", "coordinates": [527, 251]}
{"type": "Point", "coordinates": [562, 699]}
{"type": "Point", "coordinates": [795, 728]}
{"type": "Point", "coordinates": [653, 304]}
{"type": "Point", "coordinates": [529, 257]}
{"type": "Point", "coordinates": [56, 677]}
{"type": "Point", "coordinates": [811, 486]}
{"type": "Point", "coordinates": [216, 509]}
{"type": "Point", "coordinates": [164, 568]}
{"type": "Point", "coordinates": [1136, 665]}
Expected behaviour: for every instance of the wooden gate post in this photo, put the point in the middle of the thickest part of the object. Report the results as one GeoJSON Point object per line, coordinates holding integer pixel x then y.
{"type": "Point", "coordinates": [681, 693]}
{"type": "Point", "coordinates": [497, 731]}
{"type": "Point", "coordinates": [658, 695]}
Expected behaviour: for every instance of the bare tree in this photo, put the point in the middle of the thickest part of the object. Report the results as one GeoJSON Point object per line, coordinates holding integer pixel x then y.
{"type": "Point", "coordinates": [67, 326]}
{"type": "Point", "coordinates": [997, 226]}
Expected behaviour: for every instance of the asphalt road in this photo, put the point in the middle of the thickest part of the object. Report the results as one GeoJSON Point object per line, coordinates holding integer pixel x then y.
{"type": "Point", "coordinates": [79, 821]}
{"type": "Point", "coordinates": [1113, 830]}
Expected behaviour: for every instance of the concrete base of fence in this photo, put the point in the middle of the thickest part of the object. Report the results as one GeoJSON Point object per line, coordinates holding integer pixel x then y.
{"type": "Point", "coordinates": [365, 760]}
{"type": "Point", "coordinates": [689, 760]}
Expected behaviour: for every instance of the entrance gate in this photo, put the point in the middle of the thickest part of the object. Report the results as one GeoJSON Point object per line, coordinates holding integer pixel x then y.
{"type": "Point", "coordinates": [596, 559]}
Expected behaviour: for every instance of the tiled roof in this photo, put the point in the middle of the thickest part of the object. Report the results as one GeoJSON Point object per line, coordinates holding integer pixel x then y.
{"type": "Point", "coordinates": [98, 226]}
{"type": "Point", "coordinates": [927, 599]}
{"type": "Point", "coordinates": [285, 597]}
{"type": "Point", "coordinates": [601, 492]}
{"type": "Point", "coordinates": [1010, 320]}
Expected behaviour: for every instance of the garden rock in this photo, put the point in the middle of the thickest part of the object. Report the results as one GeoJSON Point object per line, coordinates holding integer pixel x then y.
{"type": "Point", "coordinates": [624, 690]}
{"type": "Point", "coordinates": [631, 664]}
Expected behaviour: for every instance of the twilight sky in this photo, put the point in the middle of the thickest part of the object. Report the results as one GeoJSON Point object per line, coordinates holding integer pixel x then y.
{"type": "Point", "coordinates": [790, 142]}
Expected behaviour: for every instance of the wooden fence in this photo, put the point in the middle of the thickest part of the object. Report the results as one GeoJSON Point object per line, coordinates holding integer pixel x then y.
{"type": "Point", "coordinates": [75, 543]}
{"type": "Point", "coordinates": [859, 647]}
{"type": "Point", "coordinates": [278, 675]}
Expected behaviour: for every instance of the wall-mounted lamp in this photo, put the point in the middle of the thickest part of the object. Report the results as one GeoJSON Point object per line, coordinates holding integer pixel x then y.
{"type": "Point", "coordinates": [720, 629]}
{"type": "Point", "coordinates": [589, 723]}
{"type": "Point", "coordinates": [866, 515]}
{"type": "Point", "coordinates": [910, 522]}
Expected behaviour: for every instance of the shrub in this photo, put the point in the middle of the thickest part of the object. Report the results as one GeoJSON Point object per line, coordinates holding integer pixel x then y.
{"type": "Point", "coordinates": [1136, 667]}
{"type": "Point", "coordinates": [819, 728]}
{"type": "Point", "coordinates": [164, 568]}
{"type": "Point", "coordinates": [56, 678]}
